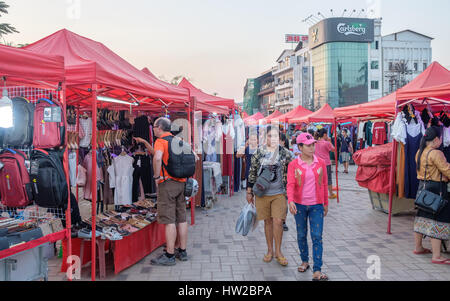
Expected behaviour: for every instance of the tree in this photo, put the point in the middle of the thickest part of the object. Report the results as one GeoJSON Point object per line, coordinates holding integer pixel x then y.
{"type": "Point", "coordinates": [5, 28]}
{"type": "Point", "coordinates": [398, 76]}
{"type": "Point", "coordinates": [174, 81]}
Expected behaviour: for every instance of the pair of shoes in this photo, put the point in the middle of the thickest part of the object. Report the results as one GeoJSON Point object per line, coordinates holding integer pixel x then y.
{"type": "Point", "coordinates": [164, 260]}
{"type": "Point", "coordinates": [285, 227]}
{"type": "Point", "coordinates": [333, 196]}
{"type": "Point", "coordinates": [181, 255]}
{"type": "Point", "coordinates": [111, 234]}
{"type": "Point", "coordinates": [87, 234]}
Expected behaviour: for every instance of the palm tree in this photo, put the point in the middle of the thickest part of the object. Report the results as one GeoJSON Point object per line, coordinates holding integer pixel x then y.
{"type": "Point", "coordinates": [5, 28]}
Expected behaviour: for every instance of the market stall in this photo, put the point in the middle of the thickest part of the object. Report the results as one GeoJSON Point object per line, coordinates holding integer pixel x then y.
{"type": "Point", "coordinates": [111, 100]}
{"type": "Point", "coordinates": [31, 221]}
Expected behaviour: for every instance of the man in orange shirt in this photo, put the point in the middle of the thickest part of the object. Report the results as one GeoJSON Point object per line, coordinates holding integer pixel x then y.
{"type": "Point", "coordinates": [171, 199]}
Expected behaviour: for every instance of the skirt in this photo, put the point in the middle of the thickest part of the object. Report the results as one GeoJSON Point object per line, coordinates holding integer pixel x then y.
{"type": "Point", "coordinates": [432, 228]}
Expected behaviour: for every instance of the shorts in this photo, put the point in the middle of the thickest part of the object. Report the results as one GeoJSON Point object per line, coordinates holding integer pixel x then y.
{"type": "Point", "coordinates": [330, 175]}
{"type": "Point", "coordinates": [171, 203]}
{"type": "Point", "coordinates": [271, 207]}
{"type": "Point", "coordinates": [345, 157]}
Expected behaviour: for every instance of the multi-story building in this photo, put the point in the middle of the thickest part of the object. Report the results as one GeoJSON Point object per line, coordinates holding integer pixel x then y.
{"type": "Point", "coordinates": [405, 55]}
{"type": "Point", "coordinates": [267, 92]}
{"type": "Point", "coordinates": [284, 81]}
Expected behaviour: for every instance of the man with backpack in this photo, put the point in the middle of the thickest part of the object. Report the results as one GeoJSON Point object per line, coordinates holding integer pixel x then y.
{"type": "Point", "coordinates": [172, 158]}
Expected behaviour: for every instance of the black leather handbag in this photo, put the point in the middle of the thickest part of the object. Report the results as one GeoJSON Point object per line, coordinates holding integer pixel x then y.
{"type": "Point", "coordinates": [429, 201]}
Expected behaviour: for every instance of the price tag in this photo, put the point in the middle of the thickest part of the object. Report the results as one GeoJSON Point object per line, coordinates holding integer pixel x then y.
{"type": "Point", "coordinates": [52, 114]}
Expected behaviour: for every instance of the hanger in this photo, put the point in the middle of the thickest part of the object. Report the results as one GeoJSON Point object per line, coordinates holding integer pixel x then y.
{"type": "Point", "coordinates": [123, 153]}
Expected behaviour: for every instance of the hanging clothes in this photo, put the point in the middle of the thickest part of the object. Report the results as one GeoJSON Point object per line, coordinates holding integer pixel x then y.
{"type": "Point", "coordinates": [141, 128]}
{"type": "Point", "coordinates": [239, 129]}
{"type": "Point", "coordinates": [361, 130]}
{"type": "Point", "coordinates": [87, 164]}
{"type": "Point", "coordinates": [379, 133]}
{"type": "Point", "coordinates": [121, 178]}
{"type": "Point", "coordinates": [398, 131]}
{"type": "Point", "coordinates": [401, 170]}
{"type": "Point", "coordinates": [368, 133]}
{"type": "Point", "coordinates": [73, 168]}
{"type": "Point", "coordinates": [237, 173]}
{"type": "Point", "coordinates": [86, 127]}
{"type": "Point", "coordinates": [411, 149]}
{"type": "Point", "coordinates": [108, 193]}
{"type": "Point", "coordinates": [143, 173]}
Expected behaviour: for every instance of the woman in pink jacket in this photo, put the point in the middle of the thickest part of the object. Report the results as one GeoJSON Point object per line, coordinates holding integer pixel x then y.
{"type": "Point", "coordinates": [308, 199]}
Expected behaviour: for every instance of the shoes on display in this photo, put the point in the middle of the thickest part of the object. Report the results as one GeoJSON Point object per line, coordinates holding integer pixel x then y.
{"type": "Point", "coordinates": [87, 234]}
{"type": "Point", "coordinates": [164, 260]}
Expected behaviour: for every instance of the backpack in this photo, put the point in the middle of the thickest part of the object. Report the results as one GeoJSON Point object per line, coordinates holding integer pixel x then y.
{"type": "Point", "coordinates": [22, 132]}
{"type": "Point", "coordinates": [48, 179]}
{"type": "Point", "coordinates": [181, 163]}
{"type": "Point", "coordinates": [15, 187]}
{"type": "Point", "coordinates": [48, 134]}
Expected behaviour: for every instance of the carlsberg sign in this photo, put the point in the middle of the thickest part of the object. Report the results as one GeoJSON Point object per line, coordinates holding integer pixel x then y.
{"type": "Point", "coordinates": [351, 29]}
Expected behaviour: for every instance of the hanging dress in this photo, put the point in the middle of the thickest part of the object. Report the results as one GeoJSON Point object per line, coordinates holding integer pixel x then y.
{"type": "Point", "coordinates": [121, 178]}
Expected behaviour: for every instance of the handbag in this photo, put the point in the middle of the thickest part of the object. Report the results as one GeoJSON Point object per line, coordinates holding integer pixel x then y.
{"type": "Point", "coordinates": [429, 201]}
{"type": "Point", "coordinates": [81, 177]}
{"type": "Point", "coordinates": [262, 183]}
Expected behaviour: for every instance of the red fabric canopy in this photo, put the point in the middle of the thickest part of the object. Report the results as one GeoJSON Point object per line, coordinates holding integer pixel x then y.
{"type": "Point", "coordinates": [433, 82]}
{"type": "Point", "coordinates": [202, 96]}
{"type": "Point", "coordinates": [296, 113]}
{"type": "Point", "coordinates": [325, 114]}
{"type": "Point", "coordinates": [18, 64]}
{"type": "Point", "coordinates": [252, 120]}
{"type": "Point", "coordinates": [275, 114]}
{"type": "Point", "coordinates": [244, 115]}
{"type": "Point", "coordinates": [89, 62]}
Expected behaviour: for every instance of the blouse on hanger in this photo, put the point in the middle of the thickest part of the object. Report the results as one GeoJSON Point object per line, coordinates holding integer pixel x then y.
{"type": "Point", "coordinates": [121, 178]}
{"type": "Point", "coordinates": [86, 127]}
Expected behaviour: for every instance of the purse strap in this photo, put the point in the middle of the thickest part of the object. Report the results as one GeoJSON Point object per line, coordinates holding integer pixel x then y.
{"type": "Point", "coordinates": [425, 179]}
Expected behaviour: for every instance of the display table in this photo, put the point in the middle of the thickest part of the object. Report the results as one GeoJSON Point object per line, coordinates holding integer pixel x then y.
{"type": "Point", "coordinates": [128, 251]}
{"type": "Point", "coordinates": [380, 201]}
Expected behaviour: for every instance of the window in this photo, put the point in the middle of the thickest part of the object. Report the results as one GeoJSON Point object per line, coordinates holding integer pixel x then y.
{"type": "Point", "coordinates": [391, 66]}
{"type": "Point", "coordinates": [425, 66]}
{"type": "Point", "coordinates": [375, 45]}
{"type": "Point", "coordinates": [374, 65]}
{"type": "Point", "coordinates": [416, 67]}
{"type": "Point", "coordinates": [374, 85]}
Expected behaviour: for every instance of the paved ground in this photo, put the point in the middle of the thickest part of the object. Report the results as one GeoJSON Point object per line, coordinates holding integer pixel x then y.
{"type": "Point", "coordinates": [353, 232]}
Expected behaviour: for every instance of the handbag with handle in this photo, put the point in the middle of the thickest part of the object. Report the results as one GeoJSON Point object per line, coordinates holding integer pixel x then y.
{"type": "Point", "coordinates": [429, 201]}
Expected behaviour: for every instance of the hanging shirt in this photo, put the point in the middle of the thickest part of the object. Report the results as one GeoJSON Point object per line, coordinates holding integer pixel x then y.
{"type": "Point", "coordinates": [368, 133]}
{"type": "Point", "coordinates": [121, 178]}
{"type": "Point", "coordinates": [446, 139]}
{"type": "Point", "coordinates": [379, 133]}
{"type": "Point", "coordinates": [361, 130]}
{"type": "Point", "coordinates": [398, 130]}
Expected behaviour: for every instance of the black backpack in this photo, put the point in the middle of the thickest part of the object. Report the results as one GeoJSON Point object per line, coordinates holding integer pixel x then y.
{"type": "Point", "coordinates": [181, 163]}
{"type": "Point", "coordinates": [22, 132]}
{"type": "Point", "coordinates": [48, 179]}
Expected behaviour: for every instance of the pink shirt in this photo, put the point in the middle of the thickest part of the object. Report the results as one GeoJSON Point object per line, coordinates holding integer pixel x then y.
{"type": "Point", "coordinates": [309, 196]}
{"type": "Point", "coordinates": [323, 149]}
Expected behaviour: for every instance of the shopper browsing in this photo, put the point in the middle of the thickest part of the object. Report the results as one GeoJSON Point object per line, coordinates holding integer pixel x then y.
{"type": "Point", "coordinates": [346, 149]}
{"type": "Point", "coordinates": [171, 199]}
{"type": "Point", "coordinates": [432, 163]}
{"type": "Point", "coordinates": [323, 149]}
{"type": "Point", "coordinates": [268, 179]}
{"type": "Point", "coordinates": [308, 199]}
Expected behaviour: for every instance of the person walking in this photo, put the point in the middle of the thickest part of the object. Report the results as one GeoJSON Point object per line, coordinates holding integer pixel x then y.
{"type": "Point", "coordinates": [285, 143]}
{"type": "Point", "coordinates": [171, 200]}
{"type": "Point", "coordinates": [346, 149]}
{"type": "Point", "coordinates": [323, 149]}
{"type": "Point", "coordinates": [433, 171]}
{"type": "Point", "coordinates": [272, 206]}
{"type": "Point", "coordinates": [308, 199]}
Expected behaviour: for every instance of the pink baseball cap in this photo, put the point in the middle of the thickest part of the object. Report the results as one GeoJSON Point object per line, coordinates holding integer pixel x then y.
{"type": "Point", "coordinates": [306, 139]}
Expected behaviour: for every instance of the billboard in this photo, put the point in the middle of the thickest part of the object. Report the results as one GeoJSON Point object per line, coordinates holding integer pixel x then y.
{"type": "Point", "coordinates": [295, 38]}
{"type": "Point", "coordinates": [341, 30]}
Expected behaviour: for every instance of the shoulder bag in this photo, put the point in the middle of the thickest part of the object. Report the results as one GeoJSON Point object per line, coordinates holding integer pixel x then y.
{"type": "Point", "coordinates": [429, 201]}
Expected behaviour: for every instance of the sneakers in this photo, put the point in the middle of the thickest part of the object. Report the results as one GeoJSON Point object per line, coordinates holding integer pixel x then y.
{"type": "Point", "coordinates": [333, 196]}
{"type": "Point", "coordinates": [87, 234]}
{"type": "Point", "coordinates": [181, 255]}
{"type": "Point", "coordinates": [164, 260]}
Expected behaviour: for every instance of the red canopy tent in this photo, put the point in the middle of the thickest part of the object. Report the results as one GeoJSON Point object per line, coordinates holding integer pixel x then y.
{"type": "Point", "coordinates": [275, 114]}
{"type": "Point", "coordinates": [23, 69]}
{"type": "Point", "coordinates": [244, 115]}
{"type": "Point", "coordinates": [381, 108]}
{"type": "Point", "coordinates": [92, 70]}
{"type": "Point", "coordinates": [325, 114]}
{"type": "Point", "coordinates": [202, 96]}
{"type": "Point", "coordinates": [296, 113]}
{"type": "Point", "coordinates": [252, 120]}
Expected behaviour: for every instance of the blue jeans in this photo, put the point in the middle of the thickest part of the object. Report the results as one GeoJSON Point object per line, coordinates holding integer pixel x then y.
{"type": "Point", "coordinates": [316, 215]}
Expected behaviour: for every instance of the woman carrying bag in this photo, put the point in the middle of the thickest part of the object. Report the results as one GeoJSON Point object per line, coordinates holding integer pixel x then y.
{"type": "Point", "coordinates": [433, 171]}
{"type": "Point", "coordinates": [307, 191]}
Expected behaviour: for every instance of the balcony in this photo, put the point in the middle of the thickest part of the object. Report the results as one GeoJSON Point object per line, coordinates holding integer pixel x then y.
{"type": "Point", "coordinates": [284, 84]}
{"type": "Point", "coordinates": [282, 70]}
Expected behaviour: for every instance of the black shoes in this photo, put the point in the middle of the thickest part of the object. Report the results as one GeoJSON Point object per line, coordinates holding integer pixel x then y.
{"type": "Point", "coordinates": [164, 260]}
{"type": "Point", "coordinates": [285, 227]}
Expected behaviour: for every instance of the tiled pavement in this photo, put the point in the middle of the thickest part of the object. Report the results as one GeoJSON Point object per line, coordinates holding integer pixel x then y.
{"type": "Point", "coordinates": [353, 231]}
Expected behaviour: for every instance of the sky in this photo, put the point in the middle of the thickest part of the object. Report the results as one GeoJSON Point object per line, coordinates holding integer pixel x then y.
{"type": "Point", "coordinates": [216, 43]}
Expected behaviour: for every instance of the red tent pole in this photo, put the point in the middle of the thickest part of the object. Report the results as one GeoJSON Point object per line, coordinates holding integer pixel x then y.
{"type": "Point", "coordinates": [66, 170]}
{"type": "Point", "coordinates": [192, 200]}
{"type": "Point", "coordinates": [78, 143]}
{"type": "Point", "coordinates": [336, 159]}
{"type": "Point", "coordinates": [392, 178]}
{"type": "Point", "coordinates": [94, 177]}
